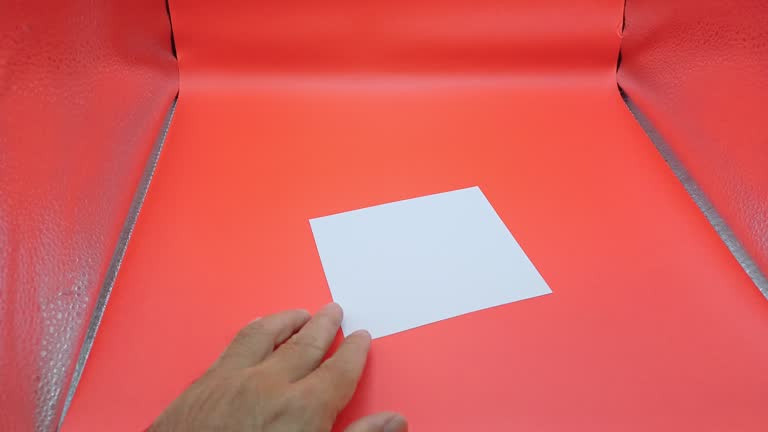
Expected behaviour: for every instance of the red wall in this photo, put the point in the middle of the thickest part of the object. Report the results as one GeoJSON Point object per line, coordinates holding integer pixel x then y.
{"type": "Point", "coordinates": [84, 89]}
{"type": "Point", "coordinates": [698, 71]}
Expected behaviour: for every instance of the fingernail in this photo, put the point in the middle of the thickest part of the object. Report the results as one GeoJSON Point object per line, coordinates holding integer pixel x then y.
{"type": "Point", "coordinates": [360, 333]}
{"type": "Point", "coordinates": [395, 424]}
{"type": "Point", "coordinates": [331, 307]}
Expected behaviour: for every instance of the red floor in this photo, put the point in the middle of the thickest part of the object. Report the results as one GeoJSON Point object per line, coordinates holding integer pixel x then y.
{"type": "Point", "coordinates": [652, 325]}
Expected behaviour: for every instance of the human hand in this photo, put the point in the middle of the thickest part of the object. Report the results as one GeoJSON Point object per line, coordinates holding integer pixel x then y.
{"type": "Point", "coordinates": [272, 378]}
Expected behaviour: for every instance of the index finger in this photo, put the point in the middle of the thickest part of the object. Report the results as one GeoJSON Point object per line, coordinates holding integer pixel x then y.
{"type": "Point", "coordinates": [304, 351]}
{"type": "Point", "coordinates": [258, 339]}
{"type": "Point", "coordinates": [336, 379]}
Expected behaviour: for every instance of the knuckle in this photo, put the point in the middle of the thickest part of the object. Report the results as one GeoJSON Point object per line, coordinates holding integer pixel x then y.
{"type": "Point", "coordinates": [341, 369]}
{"type": "Point", "coordinates": [329, 322]}
{"type": "Point", "coordinates": [302, 401]}
{"type": "Point", "coordinates": [253, 330]}
{"type": "Point", "coordinates": [245, 341]}
{"type": "Point", "coordinates": [343, 379]}
{"type": "Point", "coordinates": [307, 344]}
{"type": "Point", "coordinates": [330, 395]}
{"type": "Point", "coordinates": [262, 379]}
{"type": "Point", "coordinates": [306, 411]}
{"type": "Point", "coordinates": [253, 333]}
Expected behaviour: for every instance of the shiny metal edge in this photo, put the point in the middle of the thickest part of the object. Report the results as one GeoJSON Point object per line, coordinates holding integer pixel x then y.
{"type": "Point", "coordinates": [699, 197]}
{"type": "Point", "coordinates": [117, 259]}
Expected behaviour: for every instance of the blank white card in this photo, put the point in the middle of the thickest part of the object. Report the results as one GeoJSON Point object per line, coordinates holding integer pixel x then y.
{"type": "Point", "coordinates": [405, 264]}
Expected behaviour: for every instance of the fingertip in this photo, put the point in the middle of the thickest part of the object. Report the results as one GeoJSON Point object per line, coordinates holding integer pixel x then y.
{"type": "Point", "coordinates": [333, 308]}
{"type": "Point", "coordinates": [396, 423]}
{"type": "Point", "coordinates": [380, 422]}
{"type": "Point", "coordinates": [361, 339]}
{"type": "Point", "coordinates": [298, 317]}
{"type": "Point", "coordinates": [299, 314]}
{"type": "Point", "coordinates": [332, 312]}
{"type": "Point", "coordinates": [362, 334]}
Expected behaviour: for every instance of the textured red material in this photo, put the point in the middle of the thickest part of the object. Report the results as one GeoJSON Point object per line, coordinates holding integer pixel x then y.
{"type": "Point", "coordinates": [292, 110]}
{"type": "Point", "coordinates": [697, 69]}
{"type": "Point", "coordinates": [84, 88]}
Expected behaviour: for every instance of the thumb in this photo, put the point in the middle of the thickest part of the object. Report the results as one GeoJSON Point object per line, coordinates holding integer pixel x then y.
{"type": "Point", "coordinates": [380, 422]}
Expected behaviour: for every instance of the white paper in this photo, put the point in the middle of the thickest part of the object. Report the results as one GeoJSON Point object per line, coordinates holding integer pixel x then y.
{"type": "Point", "coordinates": [405, 264]}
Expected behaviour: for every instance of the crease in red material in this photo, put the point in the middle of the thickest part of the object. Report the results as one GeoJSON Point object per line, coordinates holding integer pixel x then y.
{"type": "Point", "coordinates": [699, 76]}
{"type": "Point", "coordinates": [290, 110]}
{"type": "Point", "coordinates": [84, 89]}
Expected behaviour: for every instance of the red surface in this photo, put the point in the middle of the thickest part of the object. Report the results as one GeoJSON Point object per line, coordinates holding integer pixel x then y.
{"type": "Point", "coordinates": [697, 69]}
{"type": "Point", "coordinates": [290, 111]}
{"type": "Point", "coordinates": [84, 88]}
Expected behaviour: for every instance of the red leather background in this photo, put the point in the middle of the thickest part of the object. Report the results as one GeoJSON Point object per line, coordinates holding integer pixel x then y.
{"type": "Point", "coordinates": [697, 69]}
{"type": "Point", "coordinates": [292, 110]}
{"type": "Point", "coordinates": [84, 88]}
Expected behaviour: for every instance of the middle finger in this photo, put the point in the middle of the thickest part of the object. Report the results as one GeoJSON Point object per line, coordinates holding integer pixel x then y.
{"type": "Point", "coordinates": [304, 351]}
